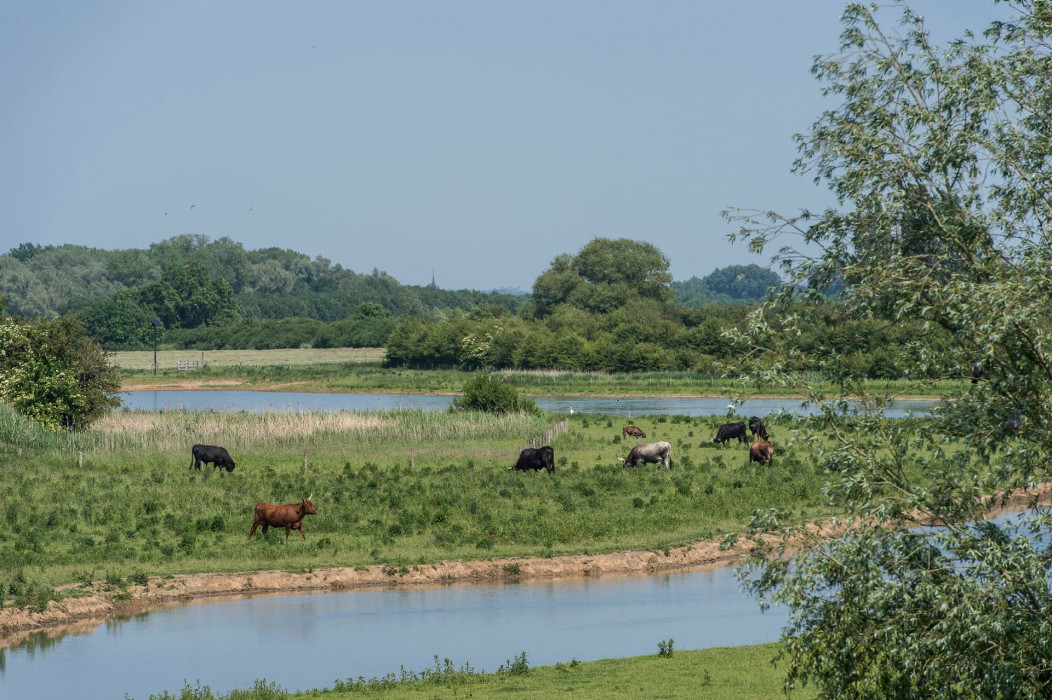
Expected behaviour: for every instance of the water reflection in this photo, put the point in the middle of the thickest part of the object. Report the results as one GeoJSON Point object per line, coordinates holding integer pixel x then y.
{"type": "Point", "coordinates": [260, 401]}
{"type": "Point", "coordinates": [370, 633]}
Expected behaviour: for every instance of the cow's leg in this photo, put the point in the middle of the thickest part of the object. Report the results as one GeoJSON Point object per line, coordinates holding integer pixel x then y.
{"type": "Point", "coordinates": [288, 529]}
{"type": "Point", "coordinates": [253, 530]}
{"type": "Point", "coordinates": [265, 527]}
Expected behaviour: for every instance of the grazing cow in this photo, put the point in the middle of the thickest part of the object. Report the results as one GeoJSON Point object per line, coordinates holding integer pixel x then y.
{"type": "Point", "coordinates": [288, 516]}
{"type": "Point", "coordinates": [210, 454]}
{"type": "Point", "coordinates": [633, 431]}
{"type": "Point", "coordinates": [762, 452]}
{"type": "Point", "coordinates": [757, 428]}
{"type": "Point", "coordinates": [649, 453]}
{"type": "Point", "coordinates": [730, 431]}
{"type": "Point", "coordinates": [536, 458]}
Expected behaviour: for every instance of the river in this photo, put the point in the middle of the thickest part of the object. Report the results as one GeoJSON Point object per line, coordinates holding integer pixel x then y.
{"type": "Point", "coordinates": [259, 401]}
{"type": "Point", "coordinates": [311, 640]}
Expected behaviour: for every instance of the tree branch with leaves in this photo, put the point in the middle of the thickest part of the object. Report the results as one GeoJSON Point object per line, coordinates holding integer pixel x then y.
{"type": "Point", "coordinates": [939, 159]}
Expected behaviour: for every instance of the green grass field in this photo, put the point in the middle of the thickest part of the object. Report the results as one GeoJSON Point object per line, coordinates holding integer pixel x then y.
{"type": "Point", "coordinates": [168, 360]}
{"type": "Point", "coordinates": [398, 487]}
{"type": "Point", "coordinates": [742, 673]}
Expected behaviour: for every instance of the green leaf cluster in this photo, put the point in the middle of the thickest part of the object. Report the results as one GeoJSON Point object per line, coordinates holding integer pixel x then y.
{"type": "Point", "coordinates": [52, 373]}
{"type": "Point", "coordinates": [489, 395]}
{"type": "Point", "coordinates": [939, 161]}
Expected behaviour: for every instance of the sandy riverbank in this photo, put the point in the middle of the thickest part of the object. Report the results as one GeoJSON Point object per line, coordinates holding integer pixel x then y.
{"type": "Point", "coordinates": [86, 612]}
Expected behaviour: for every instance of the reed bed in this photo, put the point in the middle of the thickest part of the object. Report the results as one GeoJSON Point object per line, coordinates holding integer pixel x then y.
{"type": "Point", "coordinates": [174, 431]}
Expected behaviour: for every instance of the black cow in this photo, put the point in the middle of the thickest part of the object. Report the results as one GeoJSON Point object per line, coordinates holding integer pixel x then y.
{"type": "Point", "coordinates": [757, 428]}
{"type": "Point", "coordinates": [730, 431]}
{"type": "Point", "coordinates": [536, 458]}
{"type": "Point", "coordinates": [211, 454]}
{"type": "Point", "coordinates": [649, 453]}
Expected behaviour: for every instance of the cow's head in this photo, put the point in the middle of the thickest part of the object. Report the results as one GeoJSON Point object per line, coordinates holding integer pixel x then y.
{"type": "Point", "coordinates": [308, 505]}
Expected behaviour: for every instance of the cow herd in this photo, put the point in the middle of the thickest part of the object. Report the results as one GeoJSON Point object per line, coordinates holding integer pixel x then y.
{"type": "Point", "coordinates": [290, 515]}
{"type": "Point", "coordinates": [760, 450]}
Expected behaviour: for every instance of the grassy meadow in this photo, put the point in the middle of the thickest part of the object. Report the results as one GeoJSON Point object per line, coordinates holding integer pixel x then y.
{"type": "Point", "coordinates": [168, 360]}
{"type": "Point", "coordinates": [395, 487]}
{"type": "Point", "coordinates": [743, 673]}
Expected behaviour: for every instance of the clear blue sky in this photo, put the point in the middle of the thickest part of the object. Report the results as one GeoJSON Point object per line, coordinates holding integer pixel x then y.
{"type": "Point", "coordinates": [476, 139]}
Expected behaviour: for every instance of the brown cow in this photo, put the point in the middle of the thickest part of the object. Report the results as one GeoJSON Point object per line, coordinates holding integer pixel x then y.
{"type": "Point", "coordinates": [761, 451]}
{"type": "Point", "coordinates": [288, 516]}
{"type": "Point", "coordinates": [633, 431]}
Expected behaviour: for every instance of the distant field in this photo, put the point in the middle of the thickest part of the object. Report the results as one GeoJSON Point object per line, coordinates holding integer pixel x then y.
{"type": "Point", "coordinates": [169, 359]}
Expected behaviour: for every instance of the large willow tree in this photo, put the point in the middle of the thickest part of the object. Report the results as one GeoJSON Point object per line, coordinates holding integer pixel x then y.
{"type": "Point", "coordinates": [940, 160]}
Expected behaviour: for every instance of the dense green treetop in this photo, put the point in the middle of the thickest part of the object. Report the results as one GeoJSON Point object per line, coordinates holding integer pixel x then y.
{"type": "Point", "coordinates": [939, 161]}
{"type": "Point", "coordinates": [49, 281]}
{"type": "Point", "coordinates": [731, 284]}
{"type": "Point", "coordinates": [605, 275]}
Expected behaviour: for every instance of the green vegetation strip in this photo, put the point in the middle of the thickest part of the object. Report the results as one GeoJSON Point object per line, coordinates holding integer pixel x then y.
{"type": "Point", "coordinates": [402, 488]}
{"type": "Point", "coordinates": [744, 673]}
{"type": "Point", "coordinates": [358, 370]}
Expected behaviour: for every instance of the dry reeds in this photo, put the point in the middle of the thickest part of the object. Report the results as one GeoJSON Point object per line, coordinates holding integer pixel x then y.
{"type": "Point", "coordinates": [174, 430]}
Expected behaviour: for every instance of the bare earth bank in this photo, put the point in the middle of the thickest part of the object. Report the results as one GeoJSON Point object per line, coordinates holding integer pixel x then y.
{"type": "Point", "coordinates": [84, 613]}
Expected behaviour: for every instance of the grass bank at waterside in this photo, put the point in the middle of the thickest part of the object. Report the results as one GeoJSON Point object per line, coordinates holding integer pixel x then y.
{"type": "Point", "coordinates": [398, 491]}
{"type": "Point", "coordinates": [743, 673]}
{"type": "Point", "coordinates": [360, 370]}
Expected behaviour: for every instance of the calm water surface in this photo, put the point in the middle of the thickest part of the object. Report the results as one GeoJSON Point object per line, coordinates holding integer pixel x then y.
{"type": "Point", "coordinates": [259, 401]}
{"type": "Point", "coordinates": [307, 641]}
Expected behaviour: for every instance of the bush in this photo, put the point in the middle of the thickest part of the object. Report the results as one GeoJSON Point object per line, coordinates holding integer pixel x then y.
{"type": "Point", "coordinates": [489, 395]}
{"type": "Point", "coordinates": [53, 373]}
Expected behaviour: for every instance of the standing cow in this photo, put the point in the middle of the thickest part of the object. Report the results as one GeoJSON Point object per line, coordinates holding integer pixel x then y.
{"type": "Point", "coordinates": [210, 454]}
{"type": "Point", "coordinates": [535, 459]}
{"type": "Point", "coordinates": [761, 451]}
{"type": "Point", "coordinates": [757, 428]}
{"type": "Point", "coordinates": [648, 454]}
{"type": "Point", "coordinates": [289, 516]}
{"type": "Point", "coordinates": [731, 431]}
{"type": "Point", "coordinates": [633, 431]}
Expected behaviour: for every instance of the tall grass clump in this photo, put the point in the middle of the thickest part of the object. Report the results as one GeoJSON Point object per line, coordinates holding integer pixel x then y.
{"type": "Point", "coordinates": [17, 431]}
{"type": "Point", "coordinates": [313, 431]}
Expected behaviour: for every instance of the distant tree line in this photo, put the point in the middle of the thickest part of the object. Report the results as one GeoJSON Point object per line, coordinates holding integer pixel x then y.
{"type": "Point", "coordinates": [610, 307]}
{"type": "Point", "coordinates": [190, 283]}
